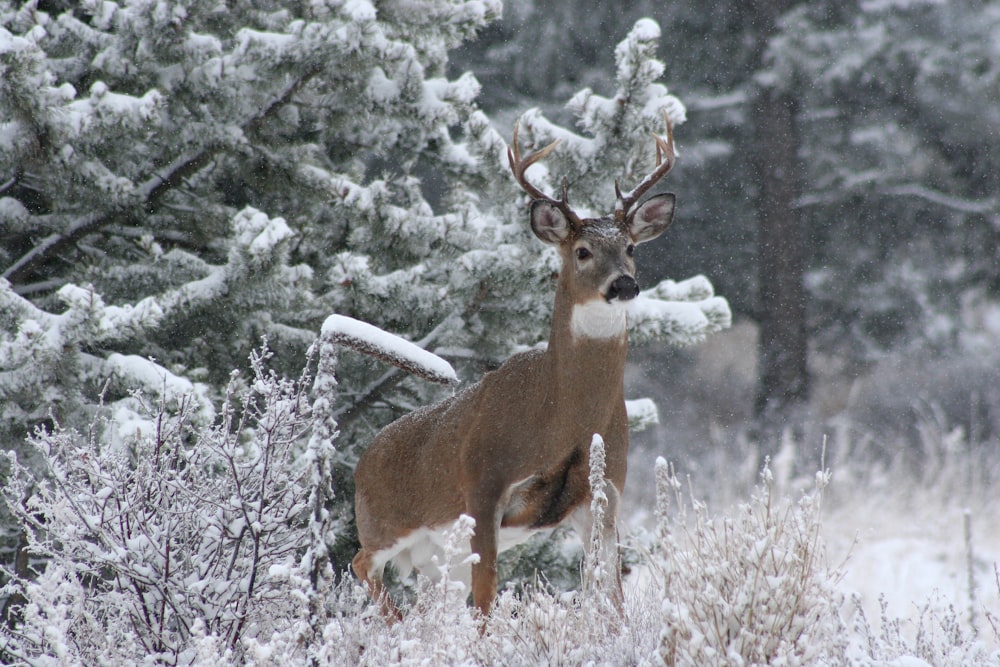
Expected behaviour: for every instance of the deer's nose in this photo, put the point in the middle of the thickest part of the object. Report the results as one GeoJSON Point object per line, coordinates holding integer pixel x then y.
{"type": "Point", "coordinates": [623, 288]}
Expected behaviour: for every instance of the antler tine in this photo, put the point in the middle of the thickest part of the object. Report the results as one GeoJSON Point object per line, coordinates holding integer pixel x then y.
{"type": "Point", "coordinates": [519, 166]}
{"type": "Point", "coordinates": [665, 158]}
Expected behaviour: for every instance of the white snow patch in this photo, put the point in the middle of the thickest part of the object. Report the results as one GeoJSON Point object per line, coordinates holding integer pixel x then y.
{"type": "Point", "coordinates": [642, 412]}
{"type": "Point", "coordinates": [911, 551]}
{"type": "Point", "coordinates": [646, 30]}
{"type": "Point", "coordinates": [359, 11]}
{"type": "Point", "coordinates": [149, 375]}
{"type": "Point", "coordinates": [424, 550]}
{"type": "Point", "coordinates": [684, 314]}
{"type": "Point", "coordinates": [382, 89]}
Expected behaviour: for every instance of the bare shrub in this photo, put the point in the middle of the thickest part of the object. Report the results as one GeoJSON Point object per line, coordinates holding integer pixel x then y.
{"type": "Point", "coordinates": [169, 533]}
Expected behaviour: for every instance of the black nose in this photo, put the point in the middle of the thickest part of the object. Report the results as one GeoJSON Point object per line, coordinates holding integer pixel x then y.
{"type": "Point", "coordinates": [624, 288]}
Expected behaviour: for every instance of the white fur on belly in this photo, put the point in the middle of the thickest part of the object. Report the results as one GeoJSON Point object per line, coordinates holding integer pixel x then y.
{"type": "Point", "coordinates": [598, 319]}
{"type": "Point", "coordinates": [418, 549]}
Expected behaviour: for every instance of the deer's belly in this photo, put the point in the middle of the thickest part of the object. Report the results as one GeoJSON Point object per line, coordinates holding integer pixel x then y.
{"type": "Point", "coordinates": [435, 551]}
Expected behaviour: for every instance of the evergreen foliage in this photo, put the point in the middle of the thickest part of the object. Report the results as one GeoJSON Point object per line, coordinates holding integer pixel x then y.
{"type": "Point", "coordinates": [901, 160]}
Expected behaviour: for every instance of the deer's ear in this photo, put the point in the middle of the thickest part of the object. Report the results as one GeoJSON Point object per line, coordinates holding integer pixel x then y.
{"type": "Point", "coordinates": [548, 222]}
{"type": "Point", "coordinates": [652, 218]}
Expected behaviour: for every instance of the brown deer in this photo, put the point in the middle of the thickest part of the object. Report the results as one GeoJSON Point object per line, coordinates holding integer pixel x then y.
{"type": "Point", "coordinates": [512, 451]}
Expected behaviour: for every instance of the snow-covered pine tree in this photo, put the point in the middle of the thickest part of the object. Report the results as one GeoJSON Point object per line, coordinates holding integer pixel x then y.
{"type": "Point", "coordinates": [180, 180]}
{"type": "Point", "coordinates": [143, 140]}
{"type": "Point", "coordinates": [141, 143]}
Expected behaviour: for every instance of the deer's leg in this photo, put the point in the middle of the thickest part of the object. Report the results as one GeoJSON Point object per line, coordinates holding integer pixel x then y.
{"type": "Point", "coordinates": [372, 581]}
{"type": "Point", "coordinates": [484, 543]}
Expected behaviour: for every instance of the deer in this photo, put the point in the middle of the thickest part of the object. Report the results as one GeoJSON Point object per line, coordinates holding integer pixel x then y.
{"type": "Point", "coordinates": [512, 450]}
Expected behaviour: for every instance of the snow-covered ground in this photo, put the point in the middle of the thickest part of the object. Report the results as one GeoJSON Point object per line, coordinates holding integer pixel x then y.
{"type": "Point", "coordinates": [910, 550]}
{"type": "Point", "coordinates": [902, 550]}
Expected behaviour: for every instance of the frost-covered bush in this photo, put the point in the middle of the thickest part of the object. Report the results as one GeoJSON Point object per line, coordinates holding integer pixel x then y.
{"type": "Point", "coordinates": [939, 639]}
{"type": "Point", "coordinates": [170, 530]}
{"type": "Point", "coordinates": [747, 588]}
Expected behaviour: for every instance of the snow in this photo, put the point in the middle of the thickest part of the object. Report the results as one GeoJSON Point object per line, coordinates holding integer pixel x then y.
{"type": "Point", "coordinates": [910, 550]}
{"type": "Point", "coordinates": [646, 30]}
{"type": "Point", "coordinates": [381, 88]}
{"type": "Point", "coordinates": [682, 314]}
{"type": "Point", "coordinates": [642, 412]}
{"type": "Point", "coordinates": [359, 10]}
{"type": "Point", "coordinates": [890, 5]}
{"type": "Point", "coordinates": [12, 211]}
{"type": "Point", "coordinates": [149, 375]}
{"type": "Point", "coordinates": [388, 347]}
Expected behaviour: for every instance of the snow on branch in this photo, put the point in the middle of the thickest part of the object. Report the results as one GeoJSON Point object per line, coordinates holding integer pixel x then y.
{"type": "Point", "coordinates": [683, 312]}
{"type": "Point", "coordinates": [387, 347]}
{"type": "Point", "coordinates": [642, 412]}
{"type": "Point", "coordinates": [149, 194]}
{"type": "Point", "coordinates": [959, 204]}
{"type": "Point", "coordinates": [153, 379]}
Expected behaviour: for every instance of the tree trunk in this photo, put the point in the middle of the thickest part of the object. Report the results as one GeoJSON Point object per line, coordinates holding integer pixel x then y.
{"type": "Point", "coordinates": [783, 381]}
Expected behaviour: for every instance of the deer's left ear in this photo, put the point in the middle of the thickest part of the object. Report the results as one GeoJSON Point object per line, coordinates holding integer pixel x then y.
{"type": "Point", "coordinates": [652, 218]}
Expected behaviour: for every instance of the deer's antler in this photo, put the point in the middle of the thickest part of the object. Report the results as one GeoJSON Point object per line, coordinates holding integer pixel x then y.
{"type": "Point", "coordinates": [519, 166]}
{"type": "Point", "coordinates": [665, 158]}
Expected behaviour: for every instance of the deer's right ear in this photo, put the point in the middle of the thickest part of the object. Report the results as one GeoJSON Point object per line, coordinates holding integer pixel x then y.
{"type": "Point", "coordinates": [548, 222]}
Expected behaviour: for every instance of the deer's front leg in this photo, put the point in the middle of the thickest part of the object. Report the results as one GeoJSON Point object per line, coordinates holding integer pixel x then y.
{"type": "Point", "coordinates": [484, 543]}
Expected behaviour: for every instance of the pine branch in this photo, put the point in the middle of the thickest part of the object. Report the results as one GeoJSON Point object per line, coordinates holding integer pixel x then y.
{"type": "Point", "coordinates": [41, 286]}
{"type": "Point", "coordinates": [377, 390]}
{"type": "Point", "coordinates": [151, 192]}
{"type": "Point", "coordinates": [372, 394]}
{"type": "Point", "coordinates": [52, 244]}
{"type": "Point", "coordinates": [962, 205]}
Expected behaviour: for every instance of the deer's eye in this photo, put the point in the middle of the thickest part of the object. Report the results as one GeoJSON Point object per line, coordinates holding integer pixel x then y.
{"type": "Point", "coordinates": [630, 250]}
{"type": "Point", "coordinates": [583, 253]}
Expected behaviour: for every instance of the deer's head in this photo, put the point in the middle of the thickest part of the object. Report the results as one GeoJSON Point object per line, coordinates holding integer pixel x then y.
{"type": "Point", "coordinates": [598, 269]}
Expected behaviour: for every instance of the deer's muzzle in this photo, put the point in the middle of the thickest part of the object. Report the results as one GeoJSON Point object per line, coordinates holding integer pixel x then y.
{"type": "Point", "coordinates": [623, 288]}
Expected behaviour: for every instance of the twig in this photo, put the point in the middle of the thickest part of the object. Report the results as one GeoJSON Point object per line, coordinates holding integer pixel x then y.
{"type": "Point", "coordinates": [970, 567]}
{"type": "Point", "coordinates": [8, 184]}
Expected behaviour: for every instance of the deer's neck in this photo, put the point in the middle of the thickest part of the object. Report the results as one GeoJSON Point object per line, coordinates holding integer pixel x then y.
{"type": "Point", "coordinates": [587, 348]}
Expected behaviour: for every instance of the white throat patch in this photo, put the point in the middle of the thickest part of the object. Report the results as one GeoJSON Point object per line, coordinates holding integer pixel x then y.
{"type": "Point", "coordinates": [598, 319]}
